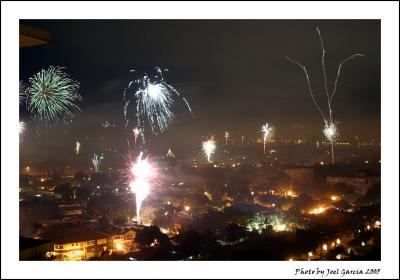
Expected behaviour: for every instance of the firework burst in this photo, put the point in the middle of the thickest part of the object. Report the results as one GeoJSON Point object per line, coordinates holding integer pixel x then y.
{"type": "Point", "coordinates": [96, 161]}
{"type": "Point", "coordinates": [77, 147]}
{"type": "Point", "coordinates": [52, 96]}
{"type": "Point", "coordinates": [330, 127]}
{"type": "Point", "coordinates": [154, 99]}
{"type": "Point", "coordinates": [209, 147]}
{"type": "Point", "coordinates": [266, 131]}
{"type": "Point", "coordinates": [142, 173]}
{"type": "Point", "coordinates": [330, 131]}
{"type": "Point", "coordinates": [227, 135]}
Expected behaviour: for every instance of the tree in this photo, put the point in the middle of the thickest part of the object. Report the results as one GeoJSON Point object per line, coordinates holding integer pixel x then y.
{"type": "Point", "coordinates": [234, 232]}
{"type": "Point", "coordinates": [64, 190]}
{"type": "Point", "coordinates": [79, 176]}
{"type": "Point", "coordinates": [189, 243]}
{"type": "Point", "coordinates": [150, 235]}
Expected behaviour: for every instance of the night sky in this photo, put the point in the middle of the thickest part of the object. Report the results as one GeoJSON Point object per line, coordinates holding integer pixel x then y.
{"type": "Point", "coordinates": [233, 73]}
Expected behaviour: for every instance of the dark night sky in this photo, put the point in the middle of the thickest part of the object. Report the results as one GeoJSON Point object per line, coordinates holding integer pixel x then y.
{"type": "Point", "coordinates": [233, 72]}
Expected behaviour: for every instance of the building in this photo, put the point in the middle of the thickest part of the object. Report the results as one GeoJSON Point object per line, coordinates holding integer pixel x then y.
{"type": "Point", "coordinates": [300, 175]}
{"type": "Point", "coordinates": [80, 243]}
{"type": "Point", "coordinates": [361, 184]}
{"type": "Point", "coordinates": [71, 209]}
{"type": "Point", "coordinates": [74, 244]}
{"type": "Point", "coordinates": [124, 242]}
{"type": "Point", "coordinates": [71, 213]}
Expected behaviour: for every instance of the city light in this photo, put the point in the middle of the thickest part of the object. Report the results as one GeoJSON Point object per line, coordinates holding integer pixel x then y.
{"type": "Point", "coordinates": [187, 208]}
{"type": "Point", "coordinates": [258, 223]}
{"type": "Point", "coordinates": [279, 227]}
{"type": "Point", "coordinates": [208, 195]}
{"type": "Point", "coordinates": [317, 211]}
{"type": "Point", "coordinates": [325, 247]}
{"type": "Point", "coordinates": [119, 246]}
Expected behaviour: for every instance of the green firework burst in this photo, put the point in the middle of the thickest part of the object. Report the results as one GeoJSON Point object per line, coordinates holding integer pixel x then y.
{"type": "Point", "coordinates": [53, 95]}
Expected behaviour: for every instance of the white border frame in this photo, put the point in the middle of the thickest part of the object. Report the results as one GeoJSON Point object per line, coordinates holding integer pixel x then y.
{"type": "Point", "coordinates": [11, 12]}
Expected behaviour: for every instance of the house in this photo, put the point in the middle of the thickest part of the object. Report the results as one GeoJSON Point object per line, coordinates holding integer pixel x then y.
{"type": "Point", "coordinates": [74, 244]}
{"type": "Point", "coordinates": [84, 243]}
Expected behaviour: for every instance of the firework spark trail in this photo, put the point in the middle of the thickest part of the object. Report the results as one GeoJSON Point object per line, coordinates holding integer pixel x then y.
{"type": "Point", "coordinates": [22, 92]}
{"type": "Point", "coordinates": [266, 130]}
{"type": "Point", "coordinates": [21, 127]}
{"type": "Point", "coordinates": [136, 132]}
{"type": "Point", "coordinates": [154, 99]}
{"type": "Point", "coordinates": [142, 173]}
{"type": "Point", "coordinates": [52, 95]}
{"type": "Point", "coordinates": [96, 160]}
{"type": "Point", "coordinates": [226, 137]}
{"type": "Point", "coordinates": [77, 147]}
{"type": "Point", "coordinates": [330, 130]}
{"type": "Point", "coordinates": [209, 147]}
